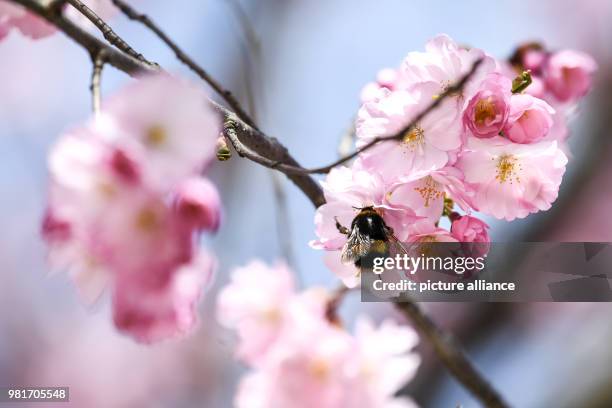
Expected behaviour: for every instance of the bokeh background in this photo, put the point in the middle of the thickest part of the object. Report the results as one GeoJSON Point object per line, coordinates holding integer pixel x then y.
{"type": "Point", "coordinates": [314, 57]}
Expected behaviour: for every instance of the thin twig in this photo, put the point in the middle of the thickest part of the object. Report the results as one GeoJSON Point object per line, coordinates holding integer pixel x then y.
{"type": "Point", "coordinates": [96, 79]}
{"type": "Point", "coordinates": [452, 355]}
{"type": "Point", "coordinates": [132, 14]}
{"type": "Point", "coordinates": [267, 151]}
{"type": "Point", "coordinates": [336, 298]}
{"type": "Point", "coordinates": [107, 31]}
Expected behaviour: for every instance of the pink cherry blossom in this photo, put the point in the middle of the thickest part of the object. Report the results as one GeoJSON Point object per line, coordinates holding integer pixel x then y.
{"type": "Point", "coordinates": [348, 273]}
{"type": "Point", "coordinates": [167, 125]}
{"type": "Point", "coordinates": [30, 25]}
{"type": "Point", "coordinates": [424, 231]}
{"type": "Point", "coordinates": [387, 79]}
{"type": "Point", "coordinates": [534, 59]}
{"type": "Point", "coordinates": [255, 304]}
{"type": "Point", "coordinates": [568, 74]}
{"type": "Point", "coordinates": [425, 192]}
{"type": "Point", "coordinates": [530, 119]}
{"type": "Point", "coordinates": [472, 233]}
{"type": "Point", "coordinates": [512, 180]}
{"type": "Point", "coordinates": [347, 190]}
{"type": "Point", "coordinates": [488, 110]}
{"type": "Point", "coordinates": [444, 62]}
{"type": "Point", "coordinates": [470, 229]}
{"type": "Point", "coordinates": [198, 203]}
{"type": "Point", "coordinates": [429, 145]}
{"type": "Point", "coordinates": [150, 314]}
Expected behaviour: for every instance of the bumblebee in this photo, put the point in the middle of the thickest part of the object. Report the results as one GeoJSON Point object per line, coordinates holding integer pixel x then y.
{"type": "Point", "coordinates": [369, 237]}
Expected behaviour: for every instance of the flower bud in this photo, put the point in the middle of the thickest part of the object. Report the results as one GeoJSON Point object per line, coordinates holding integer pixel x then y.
{"type": "Point", "coordinates": [198, 203]}
{"type": "Point", "coordinates": [530, 119]}
{"type": "Point", "coordinates": [473, 234]}
{"type": "Point", "coordinates": [223, 151]}
{"type": "Point", "coordinates": [487, 112]}
{"type": "Point", "coordinates": [568, 74]}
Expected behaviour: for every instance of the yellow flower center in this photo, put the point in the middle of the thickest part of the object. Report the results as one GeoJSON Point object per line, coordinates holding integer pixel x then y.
{"type": "Point", "coordinates": [147, 220]}
{"type": "Point", "coordinates": [156, 136]}
{"type": "Point", "coordinates": [430, 191]}
{"type": "Point", "coordinates": [507, 169]}
{"type": "Point", "coordinates": [484, 111]}
{"type": "Point", "coordinates": [319, 369]}
{"type": "Point", "coordinates": [414, 137]}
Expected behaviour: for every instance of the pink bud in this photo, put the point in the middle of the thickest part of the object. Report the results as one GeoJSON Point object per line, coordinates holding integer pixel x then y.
{"type": "Point", "coordinates": [533, 59]}
{"type": "Point", "coordinates": [55, 229]}
{"type": "Point", "coordinates": [124, 167]}
{"type": "Point", "coordinates": [198, 203]}
{"type": "Point", "coordinates": [530, 119]}
{"type": "Point", "coordinates": [152, 314]}
{"type": "Point", "coordinates": [472, 232]}
{"type": "Point", "coordinates": [487, 112]}
{"type": "Point", "coordinates": [568, 74]}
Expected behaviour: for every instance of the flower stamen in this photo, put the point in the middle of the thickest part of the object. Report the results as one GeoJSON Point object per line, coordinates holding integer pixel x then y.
{"type": "Point", "coordinates": [156, 136]}
{"type": "Point", "coordinates": [413, 138]}
{"type": "Point", "coordinates": [430, 191]}
{"type": "Point", "coordinates": [484, 111]}
{"type": "Point", "coordinates": [507, 169]}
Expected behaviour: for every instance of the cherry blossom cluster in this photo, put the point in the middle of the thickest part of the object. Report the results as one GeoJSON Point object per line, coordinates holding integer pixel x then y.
{"type": "Point", "coordinates": [299, 357]}
{"type": "Point", "coordinates": [497, 146]}
{"type": "Point", "coordinates": [127, 203]}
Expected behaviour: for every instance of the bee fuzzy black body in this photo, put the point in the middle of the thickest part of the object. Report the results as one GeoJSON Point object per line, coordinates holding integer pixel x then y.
{"type": "Point", "coordinates": [369, 237]}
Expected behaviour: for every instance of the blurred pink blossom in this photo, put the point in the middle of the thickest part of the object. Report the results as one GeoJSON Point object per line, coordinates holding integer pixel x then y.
{"type": "Point", "coordinates": [126, 205]}
{"type": "Point", "coordinates": [165, 123]}
{"type": "Point", "coordinates": [153, 313]}
{"type": "Point", "coordinates": [568, 74]}
{"type": "Point", "coordinates": [313, 358]}
{"type": "Point", "coordinates": [198, 203]}
{"type": "Point", "coordinates": [254, 303]}
{"type": "Point", "coordinates": [30, 25]}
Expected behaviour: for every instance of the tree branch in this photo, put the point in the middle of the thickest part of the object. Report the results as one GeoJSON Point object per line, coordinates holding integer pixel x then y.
{"type": "Point", "coordinates": [267, 151]}
{"type": "Point", "coordinates": [452, 355]}
{"type": "Point", "coordinates": [96, 77]}
{"type": "Point", "coordinates": [116, 58]}
{"type": "Point", "coordinates": [107, 31]}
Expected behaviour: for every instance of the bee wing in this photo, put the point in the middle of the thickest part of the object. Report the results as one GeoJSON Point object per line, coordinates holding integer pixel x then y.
{"type": "Point", "coordinates": [395, 246]}
{"type": "Point", "coordinates": [356, 246]}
